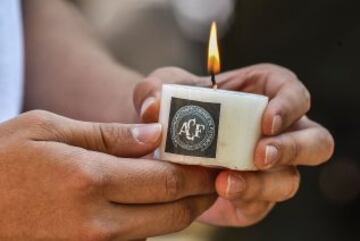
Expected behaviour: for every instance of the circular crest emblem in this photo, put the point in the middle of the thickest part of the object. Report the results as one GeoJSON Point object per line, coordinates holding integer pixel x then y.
{"type": "Point", "coordinates": [192, 128]}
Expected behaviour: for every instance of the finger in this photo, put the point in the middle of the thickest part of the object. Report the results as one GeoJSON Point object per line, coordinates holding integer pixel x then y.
{"type": "Point", "coordinates": [274, 185]}
{"type": "Point", "coordinates": [157, 219]}
{"type": "Point", "coordinates": [311, 145]}
{"type": "Point", "coordinates": [154, 181]}
{"type": "Point", "coordinates": [236, 213]}
{"type": "Point", "coordinates": [289, 99]}
{"type": "Point", "coordinates": [291, 102]}
{"type": "Point", "coordinates": [112, 138]}
{"type": "Point", "coordinates": [147, 93]}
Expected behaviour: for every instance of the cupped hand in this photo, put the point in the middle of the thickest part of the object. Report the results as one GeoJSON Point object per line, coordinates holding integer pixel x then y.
{"type": "Point", "coordinates": [289, 139]}
{"type": "Point", "coordinates": [62, 179]}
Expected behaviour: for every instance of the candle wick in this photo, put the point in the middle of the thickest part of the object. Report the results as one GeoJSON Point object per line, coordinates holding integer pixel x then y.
{"type": "Point", "coordinates": [213, 80]}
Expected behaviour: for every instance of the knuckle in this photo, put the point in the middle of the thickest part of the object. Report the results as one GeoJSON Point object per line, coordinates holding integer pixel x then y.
{"type": "Point", "coordinates": [41, 122]}
{"type": "Point", "coordinates": [36, 113]}
{"type": "Point", "coordinates": [84, 180]}
{"type": "Point", "coordinates": [38, 117]}
{"type": "Point", "coordinates": [93, 232]}
{"type": "Point", "coordinates": [174, 181]}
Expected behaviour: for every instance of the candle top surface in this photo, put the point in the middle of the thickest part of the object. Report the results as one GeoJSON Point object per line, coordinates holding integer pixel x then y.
{"type": "Point", "coordinates": [207, 89]}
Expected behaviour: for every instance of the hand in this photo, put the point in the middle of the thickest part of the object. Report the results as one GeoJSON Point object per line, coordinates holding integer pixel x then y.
{"type": "Point", "coordinates": [62, 179]}
{"type": "Point", "coordinates": [290, 139]}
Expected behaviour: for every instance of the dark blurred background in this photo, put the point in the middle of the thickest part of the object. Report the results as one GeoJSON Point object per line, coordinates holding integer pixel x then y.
{"type": "Point", "coordinates": [319, 40]}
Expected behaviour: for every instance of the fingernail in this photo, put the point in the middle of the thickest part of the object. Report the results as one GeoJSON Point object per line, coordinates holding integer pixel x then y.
{"type": "Point", "coordinates": [271, 155]}
{"type": "Point", "coordinates": [235, 185]}
{"type": "Point", "coordinates": [146, 104]}
{"type": "Point", "coordinates": [149, 133]}
{"type": "Point", "coordinates": [276, 124]}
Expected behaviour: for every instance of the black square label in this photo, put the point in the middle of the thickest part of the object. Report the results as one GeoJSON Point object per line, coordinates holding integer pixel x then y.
{"type": "Point", "coordinates": [193, 128]}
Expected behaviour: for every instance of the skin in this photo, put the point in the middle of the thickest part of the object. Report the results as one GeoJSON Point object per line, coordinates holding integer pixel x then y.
{"type": "Point", "coordinates": [289, 139]}
{"type": "Point", "coordinates": [63, 179]}
{"type": "Point", "coordinates": [69, 71]}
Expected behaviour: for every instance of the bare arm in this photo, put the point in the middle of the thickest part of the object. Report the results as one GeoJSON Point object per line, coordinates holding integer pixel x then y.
{"type": "Point", "coordinates": [68, 71]}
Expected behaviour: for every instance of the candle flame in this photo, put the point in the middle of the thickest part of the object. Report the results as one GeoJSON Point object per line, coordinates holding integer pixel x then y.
{"type": "Point", "coordinates": [213, 52]}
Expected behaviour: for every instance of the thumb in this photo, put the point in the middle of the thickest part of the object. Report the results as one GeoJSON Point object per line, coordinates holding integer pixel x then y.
{"type": "Point", "coordinates": [125, 140]}
{"type": "Point", "coordinates": [147, 93]}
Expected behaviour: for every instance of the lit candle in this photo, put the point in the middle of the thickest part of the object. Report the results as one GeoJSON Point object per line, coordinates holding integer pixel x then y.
{"type": "Point", "coordinates": [209, 126]}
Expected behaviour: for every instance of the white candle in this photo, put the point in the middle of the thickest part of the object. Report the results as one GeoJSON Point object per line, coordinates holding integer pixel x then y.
{"type": "Point", "coordinates": [210, 127]}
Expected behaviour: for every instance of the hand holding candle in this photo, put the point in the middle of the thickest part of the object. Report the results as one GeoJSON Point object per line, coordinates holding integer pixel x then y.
{"type": "Point", "coordinates": [289, 138]}
{"type": "Point", "coordinates": [246, 197]}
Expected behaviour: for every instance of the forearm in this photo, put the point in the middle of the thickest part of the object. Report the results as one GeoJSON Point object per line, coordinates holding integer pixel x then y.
{"type": "Point", "coordinates": [68, 71]}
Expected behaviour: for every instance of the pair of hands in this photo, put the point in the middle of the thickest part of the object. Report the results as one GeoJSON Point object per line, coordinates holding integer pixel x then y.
{"type": "Point", "coordinates": [289, 139]}
{"type": "Point", "coordinates": [63, 179]}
